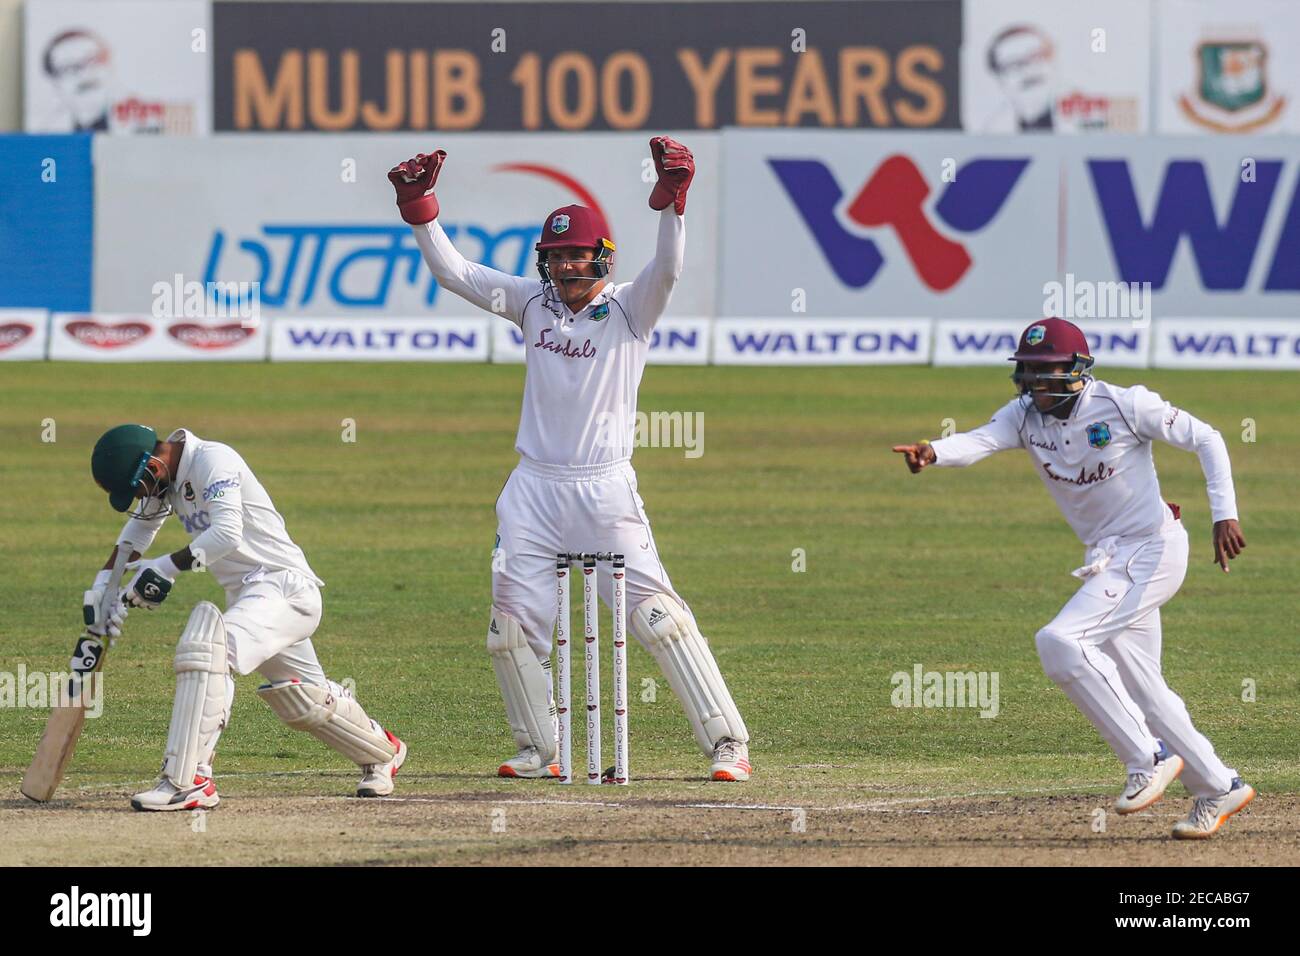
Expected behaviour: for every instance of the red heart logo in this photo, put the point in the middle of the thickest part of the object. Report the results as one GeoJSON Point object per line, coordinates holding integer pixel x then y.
{"type": "Point", "coordinates": [209, 336]}
{"type": "Point", "coordinates": [13, 333]}
{"type": "Point", "coordinates": [105, 335]}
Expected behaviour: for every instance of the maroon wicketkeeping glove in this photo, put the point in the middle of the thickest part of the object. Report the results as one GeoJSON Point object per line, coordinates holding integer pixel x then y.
{"type": "Point", "coordinates": [412, 179]}
{"type": "Point", "coordinates": [676, 168]}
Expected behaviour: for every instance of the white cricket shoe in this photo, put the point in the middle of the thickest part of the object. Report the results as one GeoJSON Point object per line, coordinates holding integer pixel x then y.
{"type": "Point", "coordinates": [731, 761]}
{"type": "Point", "coordinates": [1210, 813]}
{"type": "Point", "coordinates": [377, 778]}
{"type": "Point", "coordinates": [529, 765]}
{"type": "Point", "coordinates": [1144, 789]}
{"type": "Point", "coordinates": [167, 796]}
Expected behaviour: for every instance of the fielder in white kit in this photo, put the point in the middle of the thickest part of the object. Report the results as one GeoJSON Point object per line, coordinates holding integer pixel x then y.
{"type": "Point", "coordinates": [273, 607]}
{"type": "Point", "coordinates": [1090, 443]}
{"type": "Point", "coordinates": [574, 488]}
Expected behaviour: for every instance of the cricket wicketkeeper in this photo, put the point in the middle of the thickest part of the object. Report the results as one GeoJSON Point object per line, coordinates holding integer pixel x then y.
{"type": "Point", "coordinates": [574, 488]}
{"type": "Point", "coordinates": [273, 607]}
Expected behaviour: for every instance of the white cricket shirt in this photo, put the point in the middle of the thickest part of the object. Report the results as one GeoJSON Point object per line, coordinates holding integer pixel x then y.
{"type": "Point", "coordinates": [1097, 463]}
{"type": "Point", "coordinates": [227, 514]}
{"type": "Point", "coordinates": [583, 370]}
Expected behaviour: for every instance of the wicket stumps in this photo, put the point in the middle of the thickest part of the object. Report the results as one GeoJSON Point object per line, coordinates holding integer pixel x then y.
{"type": "Point", "coordinates": [591, 659]}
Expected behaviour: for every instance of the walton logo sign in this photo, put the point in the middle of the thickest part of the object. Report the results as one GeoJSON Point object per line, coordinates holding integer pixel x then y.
{"type": "Point", "coordinates": [895, 196]}
{"type": "Point", "coordinates": [1185, 208]}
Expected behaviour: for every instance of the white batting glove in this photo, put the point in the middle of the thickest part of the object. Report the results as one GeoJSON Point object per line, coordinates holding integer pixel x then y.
{"type": "Point", "coordinates": [102, 622]}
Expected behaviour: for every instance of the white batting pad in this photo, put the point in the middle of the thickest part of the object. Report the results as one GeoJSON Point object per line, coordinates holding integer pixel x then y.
{"type": "Point", "coordinates": [525, 685]}
{"type": "Point", "coordinates": [332, 716]}
{"type": "Point", "coordinates": [669, 633]}
{"type": "Point", "coordinates": [201, 707]}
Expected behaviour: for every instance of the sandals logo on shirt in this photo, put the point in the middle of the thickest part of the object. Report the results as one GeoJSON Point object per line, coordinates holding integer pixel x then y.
{"type": "Point", "coordinates": [1098, 434]}
{"type": "Point", "coordinates": [565, 348]}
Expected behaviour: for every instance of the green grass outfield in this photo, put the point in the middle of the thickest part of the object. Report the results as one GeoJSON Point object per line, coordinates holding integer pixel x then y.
{"type": "Point", "coordinates": [954, 570]}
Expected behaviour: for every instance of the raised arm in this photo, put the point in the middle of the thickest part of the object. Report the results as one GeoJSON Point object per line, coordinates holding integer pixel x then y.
{"type": "Point", "coordinates": [490, 290]}
{"type": "Point", "coordinates": [1155, 419]}
{"type": "Point", "coordinates": [648, 295]}
{"type": "Point", "coordinates": [650, 291]}
{"type": "Point", "coordinates": [493, 291]}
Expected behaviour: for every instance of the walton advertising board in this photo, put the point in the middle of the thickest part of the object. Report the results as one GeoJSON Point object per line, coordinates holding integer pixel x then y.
{"type": "Point", "coordinates": [313, 219]}
{"type": "Point", "coordinates": [1213, 223]}
{"type": "Point", "coordinates": [950, 227]}
{"type": "Point", "coordinates": [824, 224]}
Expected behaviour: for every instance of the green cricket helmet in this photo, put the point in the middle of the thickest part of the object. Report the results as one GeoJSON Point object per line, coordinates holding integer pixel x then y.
{"type": "Point", "coordinates": [120, 462]}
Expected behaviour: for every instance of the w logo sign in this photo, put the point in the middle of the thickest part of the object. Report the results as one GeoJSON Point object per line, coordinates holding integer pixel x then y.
{"type": "Point", "coordinates": [895, 197]}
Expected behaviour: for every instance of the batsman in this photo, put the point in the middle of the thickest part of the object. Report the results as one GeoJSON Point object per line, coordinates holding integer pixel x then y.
{"type": "Point", "coordinates": [574, 489]}
{"type": "Point", "coordinates": [273, 607]}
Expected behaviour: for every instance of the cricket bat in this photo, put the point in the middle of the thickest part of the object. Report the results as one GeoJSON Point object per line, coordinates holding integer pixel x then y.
{"type": "Point", "coordinates": [63, 729]}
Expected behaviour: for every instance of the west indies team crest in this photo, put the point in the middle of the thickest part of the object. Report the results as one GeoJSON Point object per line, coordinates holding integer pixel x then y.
{"type": "Point", "coordinates": [1035, 335]}
{"type": "Point", "coordinates": [1098, 434]}
{"type": "Point", "coordinates": [560, 224]}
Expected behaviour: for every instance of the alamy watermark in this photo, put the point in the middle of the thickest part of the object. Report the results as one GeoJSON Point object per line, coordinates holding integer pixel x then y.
{"type": "Point", "coordinates": [1084, 299]}
{"type": "Point", "coordinates": [179, 299]}
{"type": "Point", "coordinates": [922, 688]}
{"type": "Point", "coordinates": [683, 430]}
{"type": "Point", "coordinates": [38, 690]}
{"type": "Point", "coordinates": [77, 908]}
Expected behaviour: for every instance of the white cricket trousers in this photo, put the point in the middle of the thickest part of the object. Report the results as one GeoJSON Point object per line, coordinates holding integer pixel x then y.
{"type": "Point", "coordinates": [546, 509]}
{"type": "Point", "coordinates": [1103, 651]}
{"type": "Point", "coordinates": [269, 621]}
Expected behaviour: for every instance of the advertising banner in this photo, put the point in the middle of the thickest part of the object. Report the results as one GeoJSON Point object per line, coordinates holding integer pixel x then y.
{"type": "Point", "coordinates": [99, 337]}
{"type": "Point", "coordinates": [682, 341]}
{"type": "Point", "coordinates": [1132, 227]}
{"type": "Point", "coordinates": [391, 67]}
{"type": "Point", "coordinates": [1225, 343]}
{"type": "Point", "coordinates": [936, 224]}
{"type": "Point", "coordinates": [1114, 343]}
{"type": "Point", "coordinates": [1228, 67]}
{"type": "Point", "coordinates": [1213, 224]}
{"type": "Point", "coordinates": [46, 218]}
{"type": "Point", "coordinates": [379, 340]}
{"type": "Point", "coordinates": [117, 66]}
{"type": "Point", "coordinates": [801, 341]}
{"type": "Point", "coordinates": [1030, 66]}
{"type": "Point", "coordinates": [23, 335]}
{"type": "Point", "coordinates": [313, 219]}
